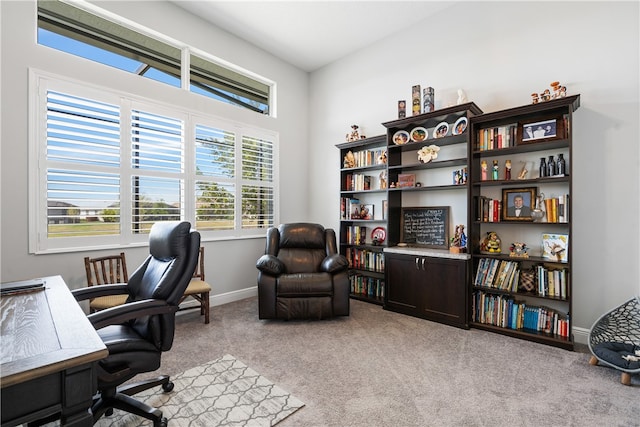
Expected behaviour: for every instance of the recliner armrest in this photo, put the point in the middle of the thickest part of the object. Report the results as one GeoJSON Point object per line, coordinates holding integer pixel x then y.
{"type": "Point", "coordinates": [334, 264]}
{"type": "Point", "coordinates": [271, 265]}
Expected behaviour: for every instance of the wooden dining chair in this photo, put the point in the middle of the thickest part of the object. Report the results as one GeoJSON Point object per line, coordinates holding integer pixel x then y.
{"type": "Point", "coordinates": [106, 270]}
{"type": "Point", "coordinates": [198, 289]}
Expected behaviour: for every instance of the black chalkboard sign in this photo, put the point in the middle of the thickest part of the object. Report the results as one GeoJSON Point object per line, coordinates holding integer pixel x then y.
{"type": "Point", "coordinates": [426, 227]}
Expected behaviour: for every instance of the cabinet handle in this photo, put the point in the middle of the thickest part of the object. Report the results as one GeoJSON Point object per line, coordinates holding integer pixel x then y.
{"type": "Point", "coordinates": [417, 264]}
{"type": "Point", "coordinates": [423, 267]}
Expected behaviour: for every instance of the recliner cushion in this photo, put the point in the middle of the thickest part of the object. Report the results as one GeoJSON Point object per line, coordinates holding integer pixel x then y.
{"type": "Point", "coordinates": [302, 235]}
{"type": "Point", "coordinates": [302, 260]}
{"type": "Point", "coordinates": [304, 285]}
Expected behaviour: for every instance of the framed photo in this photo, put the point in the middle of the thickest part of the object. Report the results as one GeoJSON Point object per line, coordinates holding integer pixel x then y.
{"type": "Point", "coordinates": [544, 130]}
{"type": "Point", "coordinates": [366, 212]}
{"type": "Point", "coordinates": [555, 246]}
{"type": "Point", "coordinates": [406, 180]}
{"type": "Point", "coordinates": [517, 203]}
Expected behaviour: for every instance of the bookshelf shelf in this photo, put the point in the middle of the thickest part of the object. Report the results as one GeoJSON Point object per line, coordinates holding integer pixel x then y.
{"type": "Point", "coordinates": [541, 314]}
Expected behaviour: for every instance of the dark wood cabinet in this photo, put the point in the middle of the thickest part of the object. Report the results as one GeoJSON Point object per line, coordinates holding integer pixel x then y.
{"type": "Point", "coordinates": [428, 287]}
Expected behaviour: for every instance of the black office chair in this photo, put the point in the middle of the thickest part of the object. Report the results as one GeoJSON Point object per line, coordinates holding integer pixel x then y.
{"type": "Point", "coordinates": [137, 332]}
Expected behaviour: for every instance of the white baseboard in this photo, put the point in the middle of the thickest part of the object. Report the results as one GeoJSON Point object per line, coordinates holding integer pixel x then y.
{"type": "Point", "coordinates": [581, 335]}
{"type": "Point", "coordinates": [225, 298]}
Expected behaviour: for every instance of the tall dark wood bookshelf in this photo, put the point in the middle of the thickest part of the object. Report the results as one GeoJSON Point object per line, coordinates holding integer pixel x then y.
{"type": "Point", "coordinates": [362, 183]}
{"type": "Point", "coordinates": [542, 310]}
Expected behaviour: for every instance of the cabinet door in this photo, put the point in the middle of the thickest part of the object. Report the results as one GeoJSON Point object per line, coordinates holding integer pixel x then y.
{"type": "Point", "coordinates": [402, 284]}
{"type": "Point", "coordinates": [443, 291]}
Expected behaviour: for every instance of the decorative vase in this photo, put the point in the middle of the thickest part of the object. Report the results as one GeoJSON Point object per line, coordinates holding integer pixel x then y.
{"type": "Point", "coordinates": [537, 213]}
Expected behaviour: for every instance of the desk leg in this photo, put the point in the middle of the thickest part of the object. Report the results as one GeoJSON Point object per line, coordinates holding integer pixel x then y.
{"type": "Point", "coordinates": [80, 385]}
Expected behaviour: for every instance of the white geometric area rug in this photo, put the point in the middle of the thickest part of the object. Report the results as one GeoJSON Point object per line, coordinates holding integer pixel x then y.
{"type": "Point", "coordinates": [223, 392]}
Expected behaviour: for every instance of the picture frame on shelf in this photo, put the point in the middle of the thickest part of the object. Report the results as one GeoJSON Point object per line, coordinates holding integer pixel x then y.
{"type": "Point", "coordinates": [555, 246]}
{"type": "Point", "coordinates": [517, 203]}
{"type": "Point", "coordinates": [406, 180]}
{"type": "Point", "coordinates": [543, 130]}
{"type": "Point", "coordinates": [366, 212]}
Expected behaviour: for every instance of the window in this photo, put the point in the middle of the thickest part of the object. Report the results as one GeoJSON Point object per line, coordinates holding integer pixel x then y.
{"type": "Point", "coordinates": [84, 32]}
{"type": "Point", "coordinates": [105, 166]}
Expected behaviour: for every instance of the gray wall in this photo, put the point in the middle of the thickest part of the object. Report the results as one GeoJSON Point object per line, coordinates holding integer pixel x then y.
{"type": "Point", "coordinates": [499, 53]}
{"type": "Point", "coordinates": [230, 264]}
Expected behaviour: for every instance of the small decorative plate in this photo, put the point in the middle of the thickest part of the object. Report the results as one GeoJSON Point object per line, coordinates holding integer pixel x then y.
{"type": "Point", "coordinates": [460, 126]}
{"type": "Point", "coordinates": [379, 235]}
{"type": "Point", "coordinates": [401, 137]}
{"type": "Point", "coordinates": [419, 134]}
{"type": "Point", "coordinates": [441, 130]}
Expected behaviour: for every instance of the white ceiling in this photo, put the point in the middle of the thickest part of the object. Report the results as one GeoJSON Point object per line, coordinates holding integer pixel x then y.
{"type": "Point", "coordinates": [310, 34]}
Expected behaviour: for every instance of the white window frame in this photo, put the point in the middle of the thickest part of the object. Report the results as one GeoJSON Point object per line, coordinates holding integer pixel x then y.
{"type": "Point", "coordinates": [40, 82]}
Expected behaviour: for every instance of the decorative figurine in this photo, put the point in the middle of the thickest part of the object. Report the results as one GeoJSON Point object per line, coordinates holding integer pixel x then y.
{"type": "Point", "coordinates": [491, 243]}
{"type": "Point", "coordinates": [462, 97]}
{"type": "Point", "coordinates": [354, 135]}
{"type": "Point", "coordinates": [415, 100]}
{"type": "Point", "coordinates": [382, 158]}
{"type": "Point", "coordinates": [518, 250]}
{"type": "Point", "coordinates": [402, 109]}
{"type": "Point", "coordinates": [494, 172]}
{"type": "Point", "coordinates": [507, 170]}
{"type": "Point", "coordinates": [524, 171]}
{"type": "Point", "coordinates": [428, 99]}
{"type": "Point", "coordinates": [428, 153]}
{"type": "Point", "coordinates": [483, 166]}
{"type": "Point", "coordinates": [538, 213]}
{"type": "Point", "coordinates": [349, 160]}
{"type": "Point", "coordinates": [383, 180]}
{"type": "Point", "coordinates": [557, 91]}
{"type": "Point", "coordinates": [458, 241]}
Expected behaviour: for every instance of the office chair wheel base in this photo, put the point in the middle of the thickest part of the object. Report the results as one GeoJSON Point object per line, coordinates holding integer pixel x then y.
{"type": "Point", "coordinates": [167, 387]}
{"type": "Point", "coordinates": [163, 422]}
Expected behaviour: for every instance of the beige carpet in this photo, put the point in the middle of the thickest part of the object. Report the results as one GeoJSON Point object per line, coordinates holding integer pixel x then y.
{"type": "Point", "coordinates": [223, 392]}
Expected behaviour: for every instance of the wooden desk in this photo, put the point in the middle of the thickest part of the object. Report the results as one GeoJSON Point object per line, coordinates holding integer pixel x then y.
{"type": "Point", "coordinates": [49, 350]}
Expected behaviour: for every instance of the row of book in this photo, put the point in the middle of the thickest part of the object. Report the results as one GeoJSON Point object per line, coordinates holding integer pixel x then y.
{"type": "Point", "coordinates": [498, 274]}
{"type": "Point", "coordinates": [497, 138]}
{"type": "Point", "coordinates": [349, 208]}
{"type": "Point", "coordinates": [505, 312]}
{"type": "Point", "coordinates": [357, 182]}
{"type": "Point", "coordinates": [365, 259]}
{"type": "Point", "coordinates": [552, 282]}
{"type": "Point", "coordinates": [506, 275]}
{"type": "Point", "coordinates": [356, 235]}
{"type": "Point", "coordinates": [557, 209]}
{"type": "Point", "coordinates": [367, 286]}
{"type": "Point", "coordinates": [489, 210]}
{"type": "Point", "coordinates": [369, 157]}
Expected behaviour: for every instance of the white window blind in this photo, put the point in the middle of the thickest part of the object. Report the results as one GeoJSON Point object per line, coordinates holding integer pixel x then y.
{"type": "Point", "coordinates": [105, 166]}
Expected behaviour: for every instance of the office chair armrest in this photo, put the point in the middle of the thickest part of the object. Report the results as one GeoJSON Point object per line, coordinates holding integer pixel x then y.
{"type": "Point", "coordinates": [100, 291]}
{"type": "Point", "coordinates": [128, 311]}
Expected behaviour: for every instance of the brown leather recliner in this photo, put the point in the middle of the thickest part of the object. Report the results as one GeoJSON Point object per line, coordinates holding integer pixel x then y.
{"type": "Point", "coordinates": [302, 275]}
